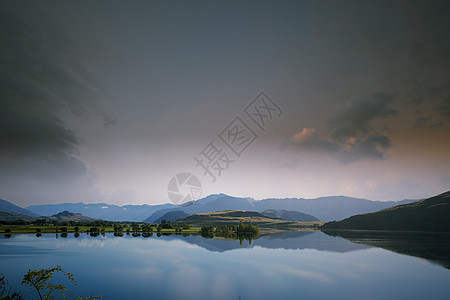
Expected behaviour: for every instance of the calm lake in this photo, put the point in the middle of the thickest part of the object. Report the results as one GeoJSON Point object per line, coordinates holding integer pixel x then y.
{"type": "Point", "coordinates": [291, 265]}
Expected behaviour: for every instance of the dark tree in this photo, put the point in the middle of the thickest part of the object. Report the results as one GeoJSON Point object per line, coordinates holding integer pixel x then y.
{"type": "Point", "coordinates": [40, 281]}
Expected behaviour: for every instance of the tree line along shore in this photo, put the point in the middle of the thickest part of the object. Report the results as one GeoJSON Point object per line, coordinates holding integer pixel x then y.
{"type": "Point", "coordinates": [39, 227]}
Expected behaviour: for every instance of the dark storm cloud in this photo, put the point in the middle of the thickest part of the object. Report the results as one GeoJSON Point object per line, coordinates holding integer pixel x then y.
{"type": "Point", "coordinates": [405, 48]}
{"type": "Point", "coordinates": [444, 108]}
{"type": "Point", "coordinates": [40, 80]}
{"type": "Point", "coordinates": [423, 76]}
{"type": "Point", "coordinates": [432, 98]}
{"type": "Point", "coordinates": [353, 134]}
{"type": "Point", "coordinates": [421, 93]}
{"type": "Point", "coordinates": [356, 117]}
{"type": "Point", "coordinates": [421, 122]}
{"type": "Point", "coordinates": [371, 146]}
{"type": "Point", "coordinates": [35, 87]}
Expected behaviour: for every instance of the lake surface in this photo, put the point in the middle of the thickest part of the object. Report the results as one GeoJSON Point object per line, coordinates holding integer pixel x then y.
{"type": "Point", "coordinates": [291, 265]}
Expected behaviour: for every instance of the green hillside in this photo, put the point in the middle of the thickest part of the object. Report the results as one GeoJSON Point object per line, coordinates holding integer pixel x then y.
{"type": "Point", "coordinates": [432, 214]}
{"type": "Point", "coordinates": [12, 216]}
{"type": "Point", "coordinates": [289, 215]}
{"type": "Point", "coordinates": [233, 217]}
{"type": "Point", "coordinates": [60, 217]}
{"type": "Point", "coordinates": [69, 216]}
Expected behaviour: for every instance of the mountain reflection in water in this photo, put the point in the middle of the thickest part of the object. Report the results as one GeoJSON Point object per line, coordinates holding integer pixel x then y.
{"type": "Point", "coordinates": [434, 247]}
{"type": "Point", "coordinates": [294, 240]}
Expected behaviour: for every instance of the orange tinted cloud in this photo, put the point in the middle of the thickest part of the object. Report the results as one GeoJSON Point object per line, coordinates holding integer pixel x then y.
{"type": "Point", "coordinates": [307, 134]}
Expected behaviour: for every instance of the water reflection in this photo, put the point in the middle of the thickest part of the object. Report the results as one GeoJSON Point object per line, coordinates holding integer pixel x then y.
{"type": "Point", "coordinates": [221, 242]}
{"type": "Point", "coordinates": [231, 236]}
{"type": "Point", "coordinates": [434, 247]}
{"type": "Point", "coordinates": [288, 265]}
{"type": "Point", "coordinates": [297, 240]}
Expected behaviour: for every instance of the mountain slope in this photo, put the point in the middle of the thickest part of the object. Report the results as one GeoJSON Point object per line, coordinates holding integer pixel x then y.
{"type": "Point", "coordinates": [289, 215]}
{"type": "Point", "coordinates": [432, 214]}
{"type": "Point", "coordinates": [12, 216]}
{"type": "Point", "coordinates": [172, 216]}
{"type": "Point", "coordinates": [9, 207]}
{"type": "Point", "coordinates": [60, 217]}
{"type": "Point", "coordinates": [328, 208]}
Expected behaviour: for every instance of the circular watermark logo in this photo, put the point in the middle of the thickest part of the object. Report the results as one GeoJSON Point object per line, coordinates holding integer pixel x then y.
{"type": "Point", "coordinates": [184, 187]}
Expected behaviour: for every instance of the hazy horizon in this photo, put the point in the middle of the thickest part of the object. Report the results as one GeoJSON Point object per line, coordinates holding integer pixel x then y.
{"type": "Point", "coordinates": [107, 101]}
{"type": "Point", "coordinates": [244, 197]}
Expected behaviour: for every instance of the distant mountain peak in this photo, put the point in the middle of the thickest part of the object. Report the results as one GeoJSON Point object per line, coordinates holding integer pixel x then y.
{"type": "Point", "coordinates": [70, 216]}
{"type": "Point", "coordinates": [66, 213]}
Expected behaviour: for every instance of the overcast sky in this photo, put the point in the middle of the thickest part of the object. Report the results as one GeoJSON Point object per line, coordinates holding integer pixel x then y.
{"type": "Point", "coordinates": [106, 101]}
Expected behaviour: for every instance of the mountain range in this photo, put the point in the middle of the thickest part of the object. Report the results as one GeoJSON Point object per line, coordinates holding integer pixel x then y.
{"type": "Point", "coordinates": [102, 211]}
{"type": "Point", "coordinates": [323, 208]}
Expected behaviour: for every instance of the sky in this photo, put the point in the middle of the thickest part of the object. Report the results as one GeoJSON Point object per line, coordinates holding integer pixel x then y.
{"type": "Point", "coordinates": [108, 101]}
